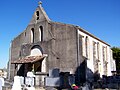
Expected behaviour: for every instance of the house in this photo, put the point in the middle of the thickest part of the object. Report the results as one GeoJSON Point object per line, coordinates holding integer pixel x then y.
{"type": "Point", "coordinates": [46, 45]}
{"type": "Point", "coordinates": [3, 73]}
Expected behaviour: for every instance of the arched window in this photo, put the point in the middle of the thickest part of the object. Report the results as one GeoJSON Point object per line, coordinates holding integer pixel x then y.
{"type": "Point", "coordinates": [36, 51]}
{"type": "Point", "coordinates": [98, 50]}
{"type": "Point", "coordinates": [95, 62]}
{"type": "Point", "coordinates": [41, 33]}
{"type": "Point", "coordinates": [83, 46]}
{"type": "Point", "coordinates": [37, 15]}
{"type": "Point", "coordinates": [32, 35]}
{"type": "Point", "coordinates": [86, 44]}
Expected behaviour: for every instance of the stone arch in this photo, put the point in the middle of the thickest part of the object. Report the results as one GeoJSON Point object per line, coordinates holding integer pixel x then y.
{"type": "Point", "coordinates": [39, 66]}
{"type": "Point", "coordinates": [36, 50]}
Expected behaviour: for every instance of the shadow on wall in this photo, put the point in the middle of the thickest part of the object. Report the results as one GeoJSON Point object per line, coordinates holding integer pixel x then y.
{"type": "Point", "coordinates": [83, 74]}
{"type": "Point", "coordinates": [85, 77]}
{"type": "Point", "coordinates": [20, 72]}
{"type": "Point", "coordinates": [80, 73]}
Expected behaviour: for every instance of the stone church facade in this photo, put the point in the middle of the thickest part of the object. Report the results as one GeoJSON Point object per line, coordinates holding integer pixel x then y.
{"type": "Point", "coordinates": [46, 45]}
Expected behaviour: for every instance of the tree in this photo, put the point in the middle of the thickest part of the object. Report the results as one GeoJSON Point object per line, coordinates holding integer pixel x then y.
{"type": "Point", "coordinates": [116, 56]}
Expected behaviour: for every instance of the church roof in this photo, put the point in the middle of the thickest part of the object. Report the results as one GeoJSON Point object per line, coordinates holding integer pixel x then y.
{"type": "Point", "coordinates": [82, 30]}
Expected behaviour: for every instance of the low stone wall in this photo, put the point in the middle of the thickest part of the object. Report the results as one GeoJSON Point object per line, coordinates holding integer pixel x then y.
{"type": "Point", "coordinates": [6, 88]}
{"type": "Point", "coordinates": [39, 88]}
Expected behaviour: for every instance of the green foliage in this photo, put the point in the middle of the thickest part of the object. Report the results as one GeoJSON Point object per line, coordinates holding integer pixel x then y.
{"type": "Point", "coordinates": [116, 53]}
{"type": "Point", "coordinates": [116, 56]}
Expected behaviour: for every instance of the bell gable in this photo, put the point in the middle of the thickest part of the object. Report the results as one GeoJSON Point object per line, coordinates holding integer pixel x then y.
{"type": "Point", "coordinates": [39, 15]}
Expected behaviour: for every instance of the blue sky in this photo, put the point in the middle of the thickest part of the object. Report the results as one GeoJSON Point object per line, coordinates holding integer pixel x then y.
{"type": "Point", "coordinates": [99, 17]}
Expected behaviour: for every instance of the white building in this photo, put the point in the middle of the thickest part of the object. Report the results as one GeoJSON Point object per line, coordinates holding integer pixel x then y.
{"type": "Point", "coordinates": [98, 54]}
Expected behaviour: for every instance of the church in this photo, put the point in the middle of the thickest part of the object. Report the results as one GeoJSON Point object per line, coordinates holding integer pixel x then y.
{"type": "Point", "coordinates": [46, 45]}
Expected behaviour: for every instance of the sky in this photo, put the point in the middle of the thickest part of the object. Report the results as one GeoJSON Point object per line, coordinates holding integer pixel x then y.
{"type": "Point", "coordinates": [99, 17]}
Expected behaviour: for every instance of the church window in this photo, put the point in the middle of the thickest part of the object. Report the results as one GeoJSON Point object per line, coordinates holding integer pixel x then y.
{"type": "Point", "coordinates": [25, 34]}
{"type": "Point", "coordinates": [104, 60]}
{"type": "Point", "coordinates": [32, 35]}
{"type": "Point", "coordinates": [95, 62]}
{"type": "Point", "coordinates": [37, 15]}
{"type": "Point", "coordinates": [87, 46]}
{"type": "Point", "coordinates": [98, 50]}
{"type": "Point", "coordinates": [41, 33]}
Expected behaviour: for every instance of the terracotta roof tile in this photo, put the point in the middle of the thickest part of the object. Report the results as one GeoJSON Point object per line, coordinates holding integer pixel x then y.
{"type": "Point", "coordinates": [28, 59]}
